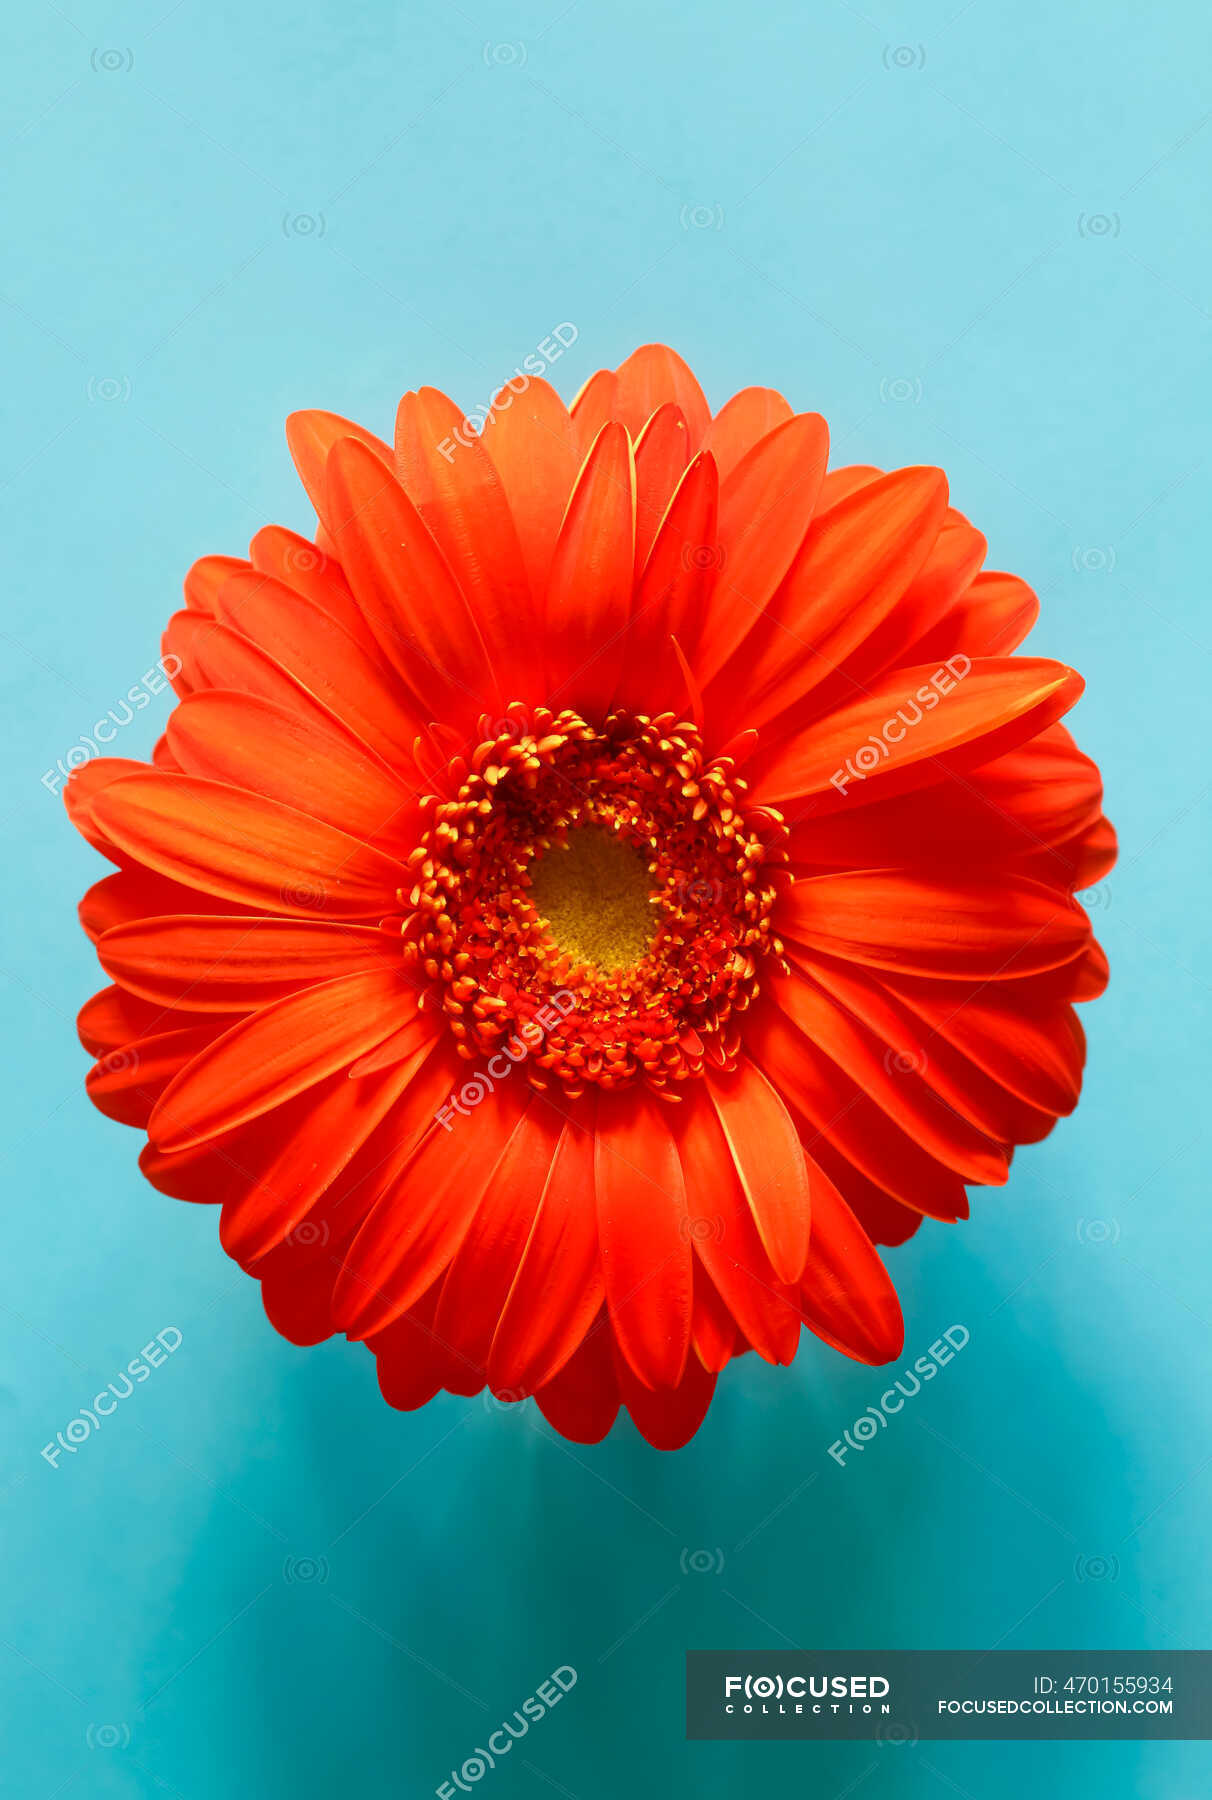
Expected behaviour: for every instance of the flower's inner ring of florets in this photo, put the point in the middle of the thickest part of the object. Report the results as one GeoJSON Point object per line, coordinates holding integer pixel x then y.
{"type": "Point", "coordinates": [594, 902]}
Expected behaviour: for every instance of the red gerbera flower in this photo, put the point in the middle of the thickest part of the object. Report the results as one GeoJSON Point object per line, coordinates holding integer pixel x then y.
{"type": "Point", "coordinates": [611, 880]}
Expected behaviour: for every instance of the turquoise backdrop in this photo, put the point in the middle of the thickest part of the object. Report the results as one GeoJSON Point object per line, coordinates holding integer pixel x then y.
{"type": "Point", "coordinates": [974, 235]}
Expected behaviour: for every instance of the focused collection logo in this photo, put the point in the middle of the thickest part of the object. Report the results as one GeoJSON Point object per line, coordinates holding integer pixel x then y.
{"type": "Point", "coordinates": [806, 1693]}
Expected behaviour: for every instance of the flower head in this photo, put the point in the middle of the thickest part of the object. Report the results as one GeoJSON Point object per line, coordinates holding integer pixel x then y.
{"type": "Point", "coordinates": [613, 878]}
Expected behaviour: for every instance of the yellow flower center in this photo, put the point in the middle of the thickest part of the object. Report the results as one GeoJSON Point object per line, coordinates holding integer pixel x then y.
{"type": "Point", "coordinates": [594, 894]}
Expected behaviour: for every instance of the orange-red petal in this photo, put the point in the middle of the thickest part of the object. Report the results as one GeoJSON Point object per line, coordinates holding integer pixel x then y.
{"type": "Point", "coordinates": [645, 1241]}
{"type": "Point", "coordinates": [277, 1053]}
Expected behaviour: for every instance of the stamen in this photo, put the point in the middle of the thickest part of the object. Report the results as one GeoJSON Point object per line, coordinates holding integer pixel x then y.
{"type": "Point", "coordinates": [620, 866]}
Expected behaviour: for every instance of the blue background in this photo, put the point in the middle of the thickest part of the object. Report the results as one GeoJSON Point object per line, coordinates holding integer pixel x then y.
{"type": "Point", "coordinates": [972, 235]}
